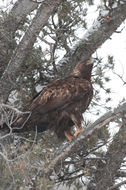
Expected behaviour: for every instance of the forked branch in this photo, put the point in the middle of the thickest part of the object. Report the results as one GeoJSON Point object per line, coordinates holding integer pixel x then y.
{"type": "Point", "coordinates": [69, 148]}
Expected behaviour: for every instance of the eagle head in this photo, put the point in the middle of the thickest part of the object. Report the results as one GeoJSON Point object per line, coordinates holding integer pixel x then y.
{"type": "Point", "coordinates": [83, 70]}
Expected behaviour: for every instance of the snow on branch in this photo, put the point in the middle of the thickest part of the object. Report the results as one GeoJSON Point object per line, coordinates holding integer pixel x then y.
{"type": "Point", "coordinates": [101, 30]}
{"type": "Point", "coordinates": [37, 1]}
{"type": "Point", "coordinates": [117, 185]}
{"type": "Point", "coordinates": [8, 115]}
{"type": "Point", "coordinates": [15, 64]}
{"type": "Point", "coordinates": [69, 148]}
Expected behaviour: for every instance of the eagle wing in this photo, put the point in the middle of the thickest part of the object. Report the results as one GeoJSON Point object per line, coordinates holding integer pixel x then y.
{"type": "Point", "coordinates": [60, 94]}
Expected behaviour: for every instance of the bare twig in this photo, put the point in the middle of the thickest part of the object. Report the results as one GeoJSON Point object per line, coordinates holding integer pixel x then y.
{"type": "Point", "coordinates": [4, 155]}
{"type": "Point", "coordinates": [121, 77]}
{"type": "Point", "coordinates": [117, 185]}
{"type": "Point", "coordinates": [9, 115]}
{"type": "Point", "coordinates": [101, 122]}
{"type": "Point", "coordinates": [37, 1]}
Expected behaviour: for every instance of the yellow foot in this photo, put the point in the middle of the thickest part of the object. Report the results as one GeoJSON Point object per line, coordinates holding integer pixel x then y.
{"type": "Point", "coordinates": [78, 132]}
{"type": "Point", "coordinates": [68, 135]}
{"type": "Point", "coordinates": [70, 138]}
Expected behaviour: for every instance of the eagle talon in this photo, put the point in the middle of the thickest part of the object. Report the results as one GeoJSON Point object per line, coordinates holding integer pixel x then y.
{"type": "Point", "coordinates": [68, 135]}
{"type": "Point", "coordinates": [78, 132]}
{"type": "Point", "coordinates": [70, 138]}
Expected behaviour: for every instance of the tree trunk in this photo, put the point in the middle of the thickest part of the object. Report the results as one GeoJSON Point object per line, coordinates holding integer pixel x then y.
{"type": "Point", "coordinates": [100, 31]}
{"type": "Point", "coordinates": [15, 18]}
{"type": "Point", "coordinates": [9, 77]}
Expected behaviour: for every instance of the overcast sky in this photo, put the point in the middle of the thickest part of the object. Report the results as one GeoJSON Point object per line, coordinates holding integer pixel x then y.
{"type": "Point", "coordinates": [115, 46]}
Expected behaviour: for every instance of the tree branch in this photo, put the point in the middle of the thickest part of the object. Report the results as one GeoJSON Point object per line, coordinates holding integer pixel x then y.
{"type": "Point", "coordinates": [13, 69]}
{"type": "Point", "coordinates": [96, 36]}
{"type": "Point", "coordinates": [121, 174]}
{"type": "Point", "coordinates": [19, 12]}
{"type": "Point", "coordinates": [9, 26]}
{"type": "Point", "coordinates": [93, 39]}
{"type": "Point", "coordinates": [105, 176]}
{"type": "Point", "coordinates": [117, 185]}
{"type": "Point", "coordinates": [68, 149]}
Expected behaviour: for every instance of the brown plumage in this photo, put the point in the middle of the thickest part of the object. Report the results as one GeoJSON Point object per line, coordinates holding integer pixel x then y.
{"type": "Point", "coordinates": [60, 105]}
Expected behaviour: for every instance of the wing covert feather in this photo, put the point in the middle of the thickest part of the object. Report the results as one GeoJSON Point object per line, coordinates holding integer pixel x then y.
{"type": "Point", "coordinates": [62, 93]}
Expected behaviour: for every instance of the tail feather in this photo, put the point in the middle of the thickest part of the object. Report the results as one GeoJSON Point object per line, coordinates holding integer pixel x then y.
{"type": "Point", "coordinates": [41, 127]}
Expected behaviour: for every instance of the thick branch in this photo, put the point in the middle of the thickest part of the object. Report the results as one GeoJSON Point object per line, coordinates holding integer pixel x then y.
{"type": "Point", "coordinates": [9, 26]}
{"type": "Point", "coordinates": [101, 122]}
{"type": "Point", "coordinates": [19, 12]}
{"type": "Point", "coordinates": [94, 38]}
{"type": "Point", "coordinates": [105, 176]}
{"type": "Point", "coordinates": [83, 51]}
{"type": "Point", "coordinates": [11, 73]}
{"type": "Point", "coordinates": [121, 174]}
{"type": "Point", "coordinates": [114, 187]}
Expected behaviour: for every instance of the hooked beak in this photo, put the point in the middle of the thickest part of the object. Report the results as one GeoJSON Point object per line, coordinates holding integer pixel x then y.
{"type": "Point", "coordinates": [90, 62]}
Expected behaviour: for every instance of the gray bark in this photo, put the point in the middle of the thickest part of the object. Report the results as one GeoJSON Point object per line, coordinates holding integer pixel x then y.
{"type": "Point", "coordinates": [15, 18]}
{"type": "Point", "coordinates": [21, 9]}
{"type": "Point", "coordinates": [8, 80]}
{"type": "Point", "coordinates": [82, 51]}
{"type": "Point", "coordinates": [19, 12]}
{"type": "Point", "coordinates": [73, 147]}
{"type": "Point", "coordinates": [97, 35]}
{"type": "Point", "coordinates": [104, 177]}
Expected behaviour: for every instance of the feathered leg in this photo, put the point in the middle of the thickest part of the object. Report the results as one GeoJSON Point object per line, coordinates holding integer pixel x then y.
{"type": "Point", "coordinates": [68, 135]}
{"type": "Point", "coordinates": [77, 119]}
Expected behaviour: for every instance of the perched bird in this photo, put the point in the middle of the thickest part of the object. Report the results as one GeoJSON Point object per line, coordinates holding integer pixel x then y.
{"type": "Point", "coordinates": [60, 105]}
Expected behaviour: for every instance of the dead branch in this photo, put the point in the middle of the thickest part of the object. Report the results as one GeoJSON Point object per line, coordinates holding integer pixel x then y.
{"type": "Point", "coordinates": [14, 67]}
{"type": "Point", "coordinates": [68, 149]}
{"type": "Point", "coordinates": [10, 24]}
{"type": "Point", "coordinates": [37, 1]}
{"type": "Point", "coordinates": [117, 185]}
{"type": "Point", "coordinates": [121, 77]}
{"type": "Point", "coordinates": [121, 173]}
{"type": "Point", "coordinates": [8, 115]}
{"type": "Point", "coordinates": [97, 35]}
{"type": "Point", "coordinates": [92, 40]}
{"type": "Point", "coordinates": [116, 153]}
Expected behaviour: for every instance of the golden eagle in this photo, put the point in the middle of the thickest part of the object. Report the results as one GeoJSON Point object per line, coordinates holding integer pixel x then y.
{"type": "Point", "coordinates": [60, 105]}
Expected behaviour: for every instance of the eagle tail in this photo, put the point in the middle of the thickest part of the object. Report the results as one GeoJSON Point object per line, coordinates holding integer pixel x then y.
{"type": "Point", "coordinates": [41, 127]}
